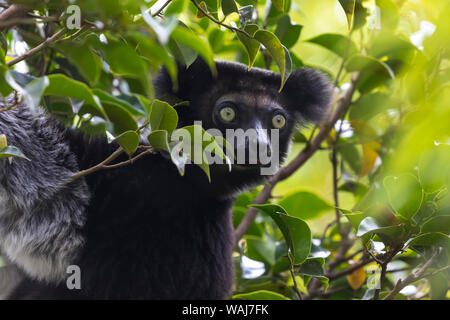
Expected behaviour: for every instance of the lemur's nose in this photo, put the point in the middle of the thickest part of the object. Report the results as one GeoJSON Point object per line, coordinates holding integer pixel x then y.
{"type": "Point", "coordinates": [258, 145]}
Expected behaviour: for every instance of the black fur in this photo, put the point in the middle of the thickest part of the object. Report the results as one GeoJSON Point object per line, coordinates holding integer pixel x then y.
{"type": "Point", "coordinates": [150, 233]}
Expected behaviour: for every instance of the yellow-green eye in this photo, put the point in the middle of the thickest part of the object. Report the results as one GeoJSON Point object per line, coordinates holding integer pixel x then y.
{"type": "Point", "coordinates": [278, 121]}
{"type": "Point", "coordinates": [227, 114]}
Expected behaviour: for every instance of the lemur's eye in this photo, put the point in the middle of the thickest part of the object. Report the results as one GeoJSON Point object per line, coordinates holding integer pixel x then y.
{"type": "Point", "coordinates": [278, 121]}
{"type": "Point", "coordinates": [227, 114]}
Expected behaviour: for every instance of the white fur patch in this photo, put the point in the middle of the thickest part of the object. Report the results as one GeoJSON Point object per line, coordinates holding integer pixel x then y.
{"type": "Point", "coordinates": [38, 267]}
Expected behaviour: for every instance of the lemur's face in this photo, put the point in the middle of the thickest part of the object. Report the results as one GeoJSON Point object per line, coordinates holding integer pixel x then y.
{"type": "Point", "coordinates": [250, 104]}
{"type": "Point", "coordinates": [257, 126]}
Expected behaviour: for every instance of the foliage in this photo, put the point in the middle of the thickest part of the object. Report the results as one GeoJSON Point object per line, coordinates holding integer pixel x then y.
{"type": "Point", "coordinates": [381, 230]}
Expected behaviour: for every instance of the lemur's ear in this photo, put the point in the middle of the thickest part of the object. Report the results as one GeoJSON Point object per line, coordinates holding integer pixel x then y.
{"type": "Point", "coordinates": [308, 94]}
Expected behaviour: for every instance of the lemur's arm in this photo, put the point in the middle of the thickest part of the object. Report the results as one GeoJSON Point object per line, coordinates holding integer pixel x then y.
{"type": "Point", "coordinates": [40, 214]}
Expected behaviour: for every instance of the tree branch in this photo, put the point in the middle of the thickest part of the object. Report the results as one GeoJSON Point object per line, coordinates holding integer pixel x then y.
{"type": "Point", "coordinates": [99, 166]}
{"type": "Point", "coordinates": [303, 156]}
{"type": "Point", "coordinates": [105, 164]}
{"type": "Point", "coordinates": [158, 12]}
{"type": "Point", "coordinates": [349, 270]}
{"type": "Point", "coordinates": [14, 12]}
{"type": "Point", "coordinates": [46, 43]}
{"type": "Point", "coordinates": [412, 277]}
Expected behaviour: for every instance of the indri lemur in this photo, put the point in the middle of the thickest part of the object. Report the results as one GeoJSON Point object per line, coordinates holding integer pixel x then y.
{"type": "Point", "coordinates": [141, 231]}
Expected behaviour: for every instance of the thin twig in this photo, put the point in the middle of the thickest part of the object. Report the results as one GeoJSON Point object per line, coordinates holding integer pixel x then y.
{"type": "Point", "coordinates": [14, 12]}
{"type": "Point", "coordinates": [376, 296]}
{"type": "Point", "coordinates": [316, 292]}
{"type": "Point", "coordinates": [219, 22]}
{"type": "Point", "coordinates": [17, 21]}
{"type": "Point", "coordinates": [75, 34]}
{"type": "Point", "coordinates": [291, 269]}
{"type": "Point", "coordinates": [412, 277]}
{"type": "Point", "coordinates": [383, 261]}
{"type": "Point", "coordinates": [130, 161]}
{"type": "Point", "coordinates": [99, 166]}
{"type": "Point", "coordinates": [105, 163]}
{"type": "Point", "coordinates": [338, 261]}
{"type": "Point", "coordinates": [349, 270]}
{"type": "Point", "coordinates": [162, 8]}
{"type": "Point", "coordinates": [46, 43]}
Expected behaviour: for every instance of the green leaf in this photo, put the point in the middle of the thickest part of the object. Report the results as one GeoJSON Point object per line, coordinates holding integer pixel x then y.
{"type": "Point", "coordinates": [213, 7]}
{"type": "Point", "coordinates": [405, 194]}
{"type": "Point", "coordinates": [3, 141]}
{"type": "Point", "coordinates": [196, 145]}
{"type": "Point", "coordinates": [158, 139]}
{"type": "Point", "coordinates": [106, 97]}
{"type": "Point", "coordinates": [437, 224]}
{"type": "Point", "coordinates": [370, 225]}
{"type": "Point", "coordinates": [336, 43]}
{"type": "Point", "coordinates": [351, 156]}
{"type": "Point", "coordinates": [163, 117]}
{"type": "Point", "coordinates": [438, 286]}
{"type": "Point", "coordinates": [32, 92]}
{"type": "Point", "coordinates": [3, 43]}
{"type": "Point", "coordinates": [182, 53]}
{"type": "Point", "coordinates": [223, 143]}
{"type": "Point", "coordinates": [360, 15]}
{"type": "Point", "coordinates": [304, 205]}
{"type": "Point", "coordinates": [261, 250]}
{"type": "Point", "coordinates": [238, 214]}
{"type": "Point", "coordinates": [370, 105]}
{"type": "Point", "coordinates": [129, 141]}
{"type": "Point", "coordinates": [176, 7]}
{"type": "Point", "coordinates": [430, 239]}
{"type": "Point", "coordinates": [203, 6]}
{"type": "Point", "coordinates": [125, 61]}
{"type": "Point", "coordinates": [60, 85]}
{"type": "Point", "coordinates": [389, 14]}
{"type": "Point", "coordinates": [287, 32]}
{"type": "Point", "coordinates": [299, 137]}
{"type": "Point", "coordinates": [2, 56]}
{"type": "Point", "coordinates": [87, 62]}
{"type": "Point", "coordinates": [260, 295]}
{"type": "Point", "coordinates": [434, 168]}
{"type": "Point", "coordinates": [162, 30]}
{"type": "Point", "coordinates": [189, 39]}
{"type": "Point", "coordinates": [349, 9]}
{"type": "Point", "coordinates": [278, 4]}
{"type": "Point", "coordinates": [313, 267]}
{"type": "Point", "coordinates": [216, 39]}
{"type": "Point", "coordinates": [373, 71]}
{"type": "Point", "coordinates": [190, 147]}
{"type": "Point", "coordinates": [156, 54]}
{"type": "Point", "coordinates": [11, 151]}
{"type": "Point", "coordinates": [277, 51]}
{"type": "Point", "coordinates": [120, 117]}
{"type": "Point", "coordinates": [251, 45]}
{"type": "Point", "coordinates": [393, 47]}
{"type": "Point", "coordinates": [355, 218]}
{"type": "Point", "coordinates": [5, 89]}
{"type": "Point", "coordinates": [360, 62]}
{"type": "Point", "coordinates": [228, 7]}
{"type": "Point", "coordinates": [295, 231]}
